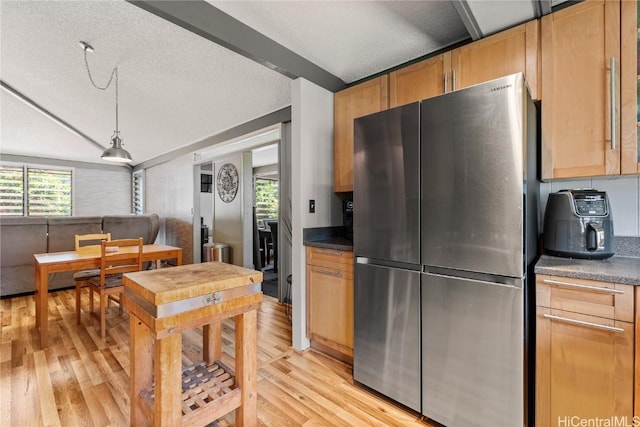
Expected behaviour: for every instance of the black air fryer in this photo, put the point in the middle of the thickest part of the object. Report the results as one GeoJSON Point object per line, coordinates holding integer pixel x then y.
{"type": "Point", "coordinates": [578, 224]}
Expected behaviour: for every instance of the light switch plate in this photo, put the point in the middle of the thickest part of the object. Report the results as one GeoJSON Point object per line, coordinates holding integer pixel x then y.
{"type": "Point", "coordinates": [312, 206]}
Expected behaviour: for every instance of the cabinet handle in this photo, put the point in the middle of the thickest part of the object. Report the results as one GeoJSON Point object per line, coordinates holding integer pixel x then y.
{"type": "Point", "coordinates": [329, 273]}
{"type": "Point", "coordinates": [329, 252]}
{"type": "Point", "coordinates": [587, 287]}
{"type": "Point", "coordinates": [581, 323]}
{"type": "Point", "coordinates": [612, 99]}
{"type": "Point", "coordinates": [453, 79]}
{"type": "Point", "coordinates": [445, 78]}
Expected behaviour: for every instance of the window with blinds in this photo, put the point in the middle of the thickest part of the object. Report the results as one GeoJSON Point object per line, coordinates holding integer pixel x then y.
{"type": "Point", "coordinates": [137, 193]}
{"type": "Point", "coordinates": [266, 199]}
{"type": "Point", "coordinates": [11, 190]}
{"type": "Point", "coordinates": [35, 191]}
{"type": "Point", "coordinates": [48, 192]}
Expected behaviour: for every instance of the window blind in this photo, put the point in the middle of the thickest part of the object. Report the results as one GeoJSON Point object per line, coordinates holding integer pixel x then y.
{"type": "Point", "coordinates": [266, 199]}
{"type": "Point", "coordinates": [11, 190]}
{"type": "Point", "coordinates": [137, 195]}
{"type": "Point", "coordinates": [48, 192]}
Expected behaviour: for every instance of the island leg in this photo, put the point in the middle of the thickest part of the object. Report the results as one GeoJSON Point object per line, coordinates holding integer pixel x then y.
{"type": "Point", "coordinates": [247, 367]}
{"type": "Point", "coordinates": [140, 367]}
{"type": "Point", "coordinates": [212, 342]}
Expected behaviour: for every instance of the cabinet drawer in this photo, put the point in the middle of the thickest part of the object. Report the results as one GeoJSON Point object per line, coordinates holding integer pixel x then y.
{"type": "Point", "coordinates": [601, 299]}
{"type": "Point", "coordinates": [330, 258]}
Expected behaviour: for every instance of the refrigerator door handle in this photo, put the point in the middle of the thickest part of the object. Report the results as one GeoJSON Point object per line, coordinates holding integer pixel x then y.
{"type": "Point", "coordinates": [475, 280]}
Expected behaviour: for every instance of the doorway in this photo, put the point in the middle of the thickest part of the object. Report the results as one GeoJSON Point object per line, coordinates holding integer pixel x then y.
{"type": "Point", "coordinates": [261, 190]}
{"type": "Point", "coordinates": [266, 215]}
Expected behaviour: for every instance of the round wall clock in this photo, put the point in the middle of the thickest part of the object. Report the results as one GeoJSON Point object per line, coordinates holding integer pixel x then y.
{"type": "Point", "coordinates": [227, 182]}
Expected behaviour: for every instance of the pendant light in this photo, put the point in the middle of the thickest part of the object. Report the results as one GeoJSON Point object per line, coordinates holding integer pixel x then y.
{"type": "Point", "coordinates": [115, 153]}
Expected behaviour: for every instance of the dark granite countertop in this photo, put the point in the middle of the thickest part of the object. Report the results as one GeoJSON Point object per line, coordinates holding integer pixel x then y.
{"type": "Point", "coordinates": [327, 237]}
{"type": "Point", "coordinates": [339, 243]}
{"type": "Point", "coordinates": [617, 269]}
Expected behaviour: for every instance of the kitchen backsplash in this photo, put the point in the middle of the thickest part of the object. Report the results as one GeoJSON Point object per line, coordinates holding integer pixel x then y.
{"type": "Point", "coordinates": [624, 197]}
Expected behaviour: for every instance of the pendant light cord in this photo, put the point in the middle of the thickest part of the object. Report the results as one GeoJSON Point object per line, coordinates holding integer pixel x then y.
{"type": "Point", "coordinates": [114, 73]}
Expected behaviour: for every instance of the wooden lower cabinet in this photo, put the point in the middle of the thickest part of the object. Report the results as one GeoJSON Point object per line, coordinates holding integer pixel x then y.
{"type": "Point", "coordinates": [584, 362]}
{"type": "Point", "coordinates": [330, 301]}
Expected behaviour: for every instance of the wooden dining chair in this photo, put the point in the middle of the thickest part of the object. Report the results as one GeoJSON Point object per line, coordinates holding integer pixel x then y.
{"type": "Point", "coordinates": [82, 277]}
{"type": "Point", "coordinates": [125, 258]}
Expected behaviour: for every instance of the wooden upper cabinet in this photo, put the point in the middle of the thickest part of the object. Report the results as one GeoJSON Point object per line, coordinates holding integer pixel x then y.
{"type": "Point", "coordinates": [419, 81]}
{"type": "Point", "coordinates": [508, 52]}
{"type": "Point", "coordinates": [578, 44]}
{"type": "Point", "coordinates": [630, 85]}
{"type": "Point", "coordinates": [357, 101]}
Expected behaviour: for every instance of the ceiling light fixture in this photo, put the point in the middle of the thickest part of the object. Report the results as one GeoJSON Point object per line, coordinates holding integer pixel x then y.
{"type": "Point", "coordinates": [115, 153]}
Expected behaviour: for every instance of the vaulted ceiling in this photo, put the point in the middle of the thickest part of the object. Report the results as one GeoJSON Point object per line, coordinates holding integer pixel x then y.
{"type": "Point", "coordinates": [192, 69]}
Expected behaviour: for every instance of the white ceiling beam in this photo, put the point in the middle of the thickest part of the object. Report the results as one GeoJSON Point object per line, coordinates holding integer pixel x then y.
{"type": "Point", "coordinates": [483, 18]}
{"type": "Point", "coordinates": [542, 7]}
{"type": "Point", "coordinates": [211, 23]}
{"type": "Point", "coordinates": [468, 19]}
{"type": "Point", "coordinates": [280, 116]}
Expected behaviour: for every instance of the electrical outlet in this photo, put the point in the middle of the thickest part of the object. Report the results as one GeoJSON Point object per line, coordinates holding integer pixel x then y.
{"type": "Point", "coordinates": [312, 206]}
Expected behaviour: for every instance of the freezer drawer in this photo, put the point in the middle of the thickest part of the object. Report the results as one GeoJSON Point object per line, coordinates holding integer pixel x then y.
{"type": "Point", "coordinates": [386, 355]}
{"type": "Point", "coordinates": [472, 355]}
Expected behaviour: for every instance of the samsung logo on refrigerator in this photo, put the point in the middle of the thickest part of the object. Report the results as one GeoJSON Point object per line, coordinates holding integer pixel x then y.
{"type": "Point", "coordinates": [495, 89]}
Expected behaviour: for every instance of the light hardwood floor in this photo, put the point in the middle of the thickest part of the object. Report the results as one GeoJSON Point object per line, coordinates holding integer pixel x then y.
{"type": "Point", "coordinates": [83, 380]}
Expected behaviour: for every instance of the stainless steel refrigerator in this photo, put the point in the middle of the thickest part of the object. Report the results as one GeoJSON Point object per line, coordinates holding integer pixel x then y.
{"type": "Point", "coordinates": [386, 240]}
{"type": "Point", "coordinates": [477, 230]}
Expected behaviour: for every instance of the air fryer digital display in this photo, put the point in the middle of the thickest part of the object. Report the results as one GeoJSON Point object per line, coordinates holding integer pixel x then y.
{"type": "Point", "coordinates": [590, 204]}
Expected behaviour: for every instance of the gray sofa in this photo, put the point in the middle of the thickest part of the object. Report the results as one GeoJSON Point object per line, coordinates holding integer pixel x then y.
{"type": "Point", "coordinates": [22, 237]}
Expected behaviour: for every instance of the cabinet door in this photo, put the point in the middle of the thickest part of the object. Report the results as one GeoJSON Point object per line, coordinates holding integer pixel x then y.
{"type": "Point", "coordinates": [508, 52]}
{"type": "Point", "coordinates": [330, 307]}
{"type": "Point", "coordinates": [584, 367]}
{"type": "Point", "coordinates": [419, 81]}
{"type": "Point", "coordinates": [630, 85]}
{"type": "Point", "coordinates": [578, 44]}
{"type": "Point", "coordinates": [356, 101]}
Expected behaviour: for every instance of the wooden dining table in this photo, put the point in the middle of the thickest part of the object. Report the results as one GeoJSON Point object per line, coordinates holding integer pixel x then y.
{"type": "Point", "coordinates": [83, 259]}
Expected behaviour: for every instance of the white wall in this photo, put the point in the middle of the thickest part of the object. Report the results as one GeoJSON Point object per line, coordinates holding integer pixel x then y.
{"type": "Point", "coordinates": [169, 190]}
{"type": "Point", "coordinates": [228, 217]}
{"type": "Point", "coordinates": [624, 197]}
{"type": "Point", "coordinates": [101, 192]}
{"type": "Point", "coordinates": [312, 178]}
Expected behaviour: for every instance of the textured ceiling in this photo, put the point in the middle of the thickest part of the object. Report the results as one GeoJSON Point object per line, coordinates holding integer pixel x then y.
{"type": "Point", "coordinates": [176, 87]}
{"type": "Point", "coordinates": [353, 39]}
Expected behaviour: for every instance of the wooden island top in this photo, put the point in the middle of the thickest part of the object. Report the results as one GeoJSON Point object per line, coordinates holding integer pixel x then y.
{"type": "Point", "coordinates": [165, 302]}
{"type": "Point", "coordinates": [168, 285]}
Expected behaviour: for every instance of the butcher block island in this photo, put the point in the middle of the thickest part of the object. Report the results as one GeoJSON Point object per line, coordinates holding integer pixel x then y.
{"type": "Point", "coordinates": [164, 303]}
